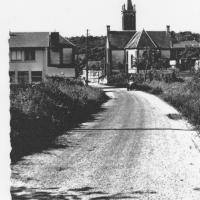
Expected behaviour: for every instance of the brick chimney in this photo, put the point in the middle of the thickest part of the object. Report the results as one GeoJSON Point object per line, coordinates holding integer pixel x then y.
{"type": "Point", "coordinates": [54, 38]}
{"type": "Point", "coordinates": [108, 28]}
{"type": "Point", "coordinates": [168, 29]}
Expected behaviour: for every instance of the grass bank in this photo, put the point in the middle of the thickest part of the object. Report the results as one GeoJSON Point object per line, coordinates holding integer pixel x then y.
{"type": "Point", "coordinates": [39, 113]}
{"type": "Point", "coordinates": [185, 96]}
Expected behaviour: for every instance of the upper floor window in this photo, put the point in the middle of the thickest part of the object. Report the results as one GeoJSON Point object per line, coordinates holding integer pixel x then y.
{"type": "Point", "coordinates": [16, 55]}
{"type": "Point", "coordinates": [67, 55]}
{"type": "Point", "coordinates": [29, 54]}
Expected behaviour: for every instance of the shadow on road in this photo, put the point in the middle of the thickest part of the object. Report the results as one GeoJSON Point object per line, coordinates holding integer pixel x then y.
{"type": "Point", "coordinates": [41, 142]}
{"type": "Point", "coordinates": [23, 193]}
{"type": "Point", "coordinates": [133, 129]}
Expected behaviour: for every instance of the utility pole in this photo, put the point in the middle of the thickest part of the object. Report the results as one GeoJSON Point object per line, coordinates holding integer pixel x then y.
{"type": "Point", "coordinates": [87, 57]}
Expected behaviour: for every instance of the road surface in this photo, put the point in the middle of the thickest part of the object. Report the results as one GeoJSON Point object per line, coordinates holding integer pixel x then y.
{"type": "Point", "coordinates": [130, 150]}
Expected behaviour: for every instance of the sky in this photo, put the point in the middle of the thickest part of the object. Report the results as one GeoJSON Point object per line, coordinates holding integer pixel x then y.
{"type": "Point", "coordinates": [73, 17]}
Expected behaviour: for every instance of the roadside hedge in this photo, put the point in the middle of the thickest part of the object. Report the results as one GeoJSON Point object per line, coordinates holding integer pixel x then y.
{"type": "Point", "coordinates": [185, 96]}
{"type": "Point", "coordinates": [41, 112]}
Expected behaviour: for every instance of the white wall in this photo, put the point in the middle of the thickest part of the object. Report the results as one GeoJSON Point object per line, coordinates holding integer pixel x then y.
{"type": "Point", "coordinates": [39, 64]}
{"type": "Point", "coordinates": [36, 65]}
{"type": "Point", "coordinates": [131, 52]}
{"type": "Point", "coordinates": [66, 72]}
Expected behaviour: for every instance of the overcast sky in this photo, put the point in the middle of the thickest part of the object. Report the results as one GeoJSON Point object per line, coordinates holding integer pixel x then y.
{"type": "Point", "coordinates": [73, 17]}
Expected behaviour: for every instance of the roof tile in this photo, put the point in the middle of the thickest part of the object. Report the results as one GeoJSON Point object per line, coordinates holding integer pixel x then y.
{"type": "Point", "coordinates": [29, 39]}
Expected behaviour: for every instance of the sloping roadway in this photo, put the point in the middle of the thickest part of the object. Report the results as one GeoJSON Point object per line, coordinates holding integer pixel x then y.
{"type": "Point", "coordinates": [130, 150]}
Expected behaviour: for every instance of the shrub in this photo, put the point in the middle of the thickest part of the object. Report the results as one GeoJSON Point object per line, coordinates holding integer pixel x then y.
{"type": "Point", "coordinates": [184, 96]}
{"type": "Point", "coordinates": [119, 80]}
{"type": "Point", "coordinates": [41, 112]}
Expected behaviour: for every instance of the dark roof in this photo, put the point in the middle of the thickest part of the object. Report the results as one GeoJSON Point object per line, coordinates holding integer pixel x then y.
{"type": "Point", "coordinates": [29, 39]}
{"type": "Point", "coordinates": [65, 41]}
{"type": "Point", "coordinates": [188, 43]}
{"type": "Point", "coordinates": [141, 40]}
{"type": "Point", "coordinates": [34, 39]}
{"type": "Point", "coordinates": [161, 39]}
{"type": "Point", "coordinates": [118, 39]}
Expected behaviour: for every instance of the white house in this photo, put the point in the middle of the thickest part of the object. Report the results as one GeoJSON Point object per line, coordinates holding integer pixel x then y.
{"type": "Point", "coordinates": [144, 40]}
{"type": "Point", "coordinates": [35, 55]}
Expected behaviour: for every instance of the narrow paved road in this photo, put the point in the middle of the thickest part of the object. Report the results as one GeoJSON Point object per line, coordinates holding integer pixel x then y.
{"type": "Point", "coordinates": [131, 150]}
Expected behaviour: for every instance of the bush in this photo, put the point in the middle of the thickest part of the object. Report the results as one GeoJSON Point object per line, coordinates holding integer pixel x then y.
{"type": "Point", "coordinates": [40, 112]}
{"type": "Point", "coordinates": [183, 96]}
{"type": "Point", "coordinates": [118, 80]}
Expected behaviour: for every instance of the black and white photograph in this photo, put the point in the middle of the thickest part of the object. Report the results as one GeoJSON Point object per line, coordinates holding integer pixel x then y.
{"type": "Point", "coordinates": [103, 100]}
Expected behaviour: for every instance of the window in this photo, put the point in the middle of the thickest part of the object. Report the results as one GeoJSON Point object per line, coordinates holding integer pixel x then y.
{"type": "Point", "coordinates": [23, 77]}
{"type": "Point", "coordinates": [36, 76]}
{"type": "Point", "coordinates": [29, 54]}
{"type": "Point", "coordinates": [127, 57]}
{"type": "Point", "coordinates": [12, 76]}
{"type": "Point", "coordinates": [131, 61]}
{"type": "Point", "coordinates": [16, 55]}
{"type": "Point", "coordinates": [67, 55]}
{"type": "Point", "coordinates": [54, 56]}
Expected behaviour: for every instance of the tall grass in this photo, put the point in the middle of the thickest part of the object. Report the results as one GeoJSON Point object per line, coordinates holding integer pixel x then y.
{"type": "Point", "coordinates": [41, 112]}
{"type": "Point", "coordinates": [185, 96]}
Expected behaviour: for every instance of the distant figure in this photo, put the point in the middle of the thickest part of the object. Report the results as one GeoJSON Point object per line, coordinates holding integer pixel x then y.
{"type": "Point", "coordinates": [131, 83]}
{"type": "Point", "coordinates": [84, 81]}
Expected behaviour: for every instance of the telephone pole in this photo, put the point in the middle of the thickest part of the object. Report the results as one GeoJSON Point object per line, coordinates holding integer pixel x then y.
{"type": "Point", "coordinates": [87, 57]}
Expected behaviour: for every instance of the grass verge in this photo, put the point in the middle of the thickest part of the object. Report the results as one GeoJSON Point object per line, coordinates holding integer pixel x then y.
{"type": "Point", "coordinates": [184, 96]}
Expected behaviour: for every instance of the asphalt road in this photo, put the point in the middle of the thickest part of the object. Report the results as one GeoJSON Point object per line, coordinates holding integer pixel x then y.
{"type": "Point", "coordinates": [130, 150]}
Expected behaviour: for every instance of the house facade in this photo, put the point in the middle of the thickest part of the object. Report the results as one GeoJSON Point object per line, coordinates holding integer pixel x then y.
{"type": "Point", "coordinates": [124, 47]}
{"type": "Point", "coordinates": [155, 43]}
{"type": "Point", "coordinates": [36, 55]}
{"type": "Point", "coordinates": [179, 47]}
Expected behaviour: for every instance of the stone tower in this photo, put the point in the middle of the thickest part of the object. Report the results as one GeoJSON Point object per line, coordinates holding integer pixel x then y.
{"type": "Point", "coordinates": [129, 16]}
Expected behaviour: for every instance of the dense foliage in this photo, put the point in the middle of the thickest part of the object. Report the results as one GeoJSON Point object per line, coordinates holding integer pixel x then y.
{"type": "Point", "coordinates": [96, 46]}
{"type": "Point", "coordinates": [41, 112]}
{"type": "Point", "coordinates": [185, 96]}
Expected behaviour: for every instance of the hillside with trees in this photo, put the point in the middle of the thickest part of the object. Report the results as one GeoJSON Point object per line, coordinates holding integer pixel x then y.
{"type": "Point", "coordinates": [184, 36]}
{"type": "Point", "coordinates": [96, 46]}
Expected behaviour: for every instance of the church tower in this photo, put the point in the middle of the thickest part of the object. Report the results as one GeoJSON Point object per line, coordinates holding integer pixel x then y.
{"type": "Point", "coordinates": [129, 16]}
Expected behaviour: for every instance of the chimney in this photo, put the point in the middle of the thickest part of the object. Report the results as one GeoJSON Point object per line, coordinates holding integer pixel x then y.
{"type": "Point", "coordinates": [54, 38]}
{"type": "Point", "coordinates": [108, 28]}
{"type": "Point", "coordinates": [168, 29]}
{"type": "Point", "coordinates": [123, 7]}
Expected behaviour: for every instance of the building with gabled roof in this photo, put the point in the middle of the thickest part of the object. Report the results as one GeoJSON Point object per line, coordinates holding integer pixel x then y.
{"type": "Point", "coordinates": [158, 42]}
{"type": "Point", "coordinates": [35, 55]}
{"type": "Point", "coordinates": [129, 44]}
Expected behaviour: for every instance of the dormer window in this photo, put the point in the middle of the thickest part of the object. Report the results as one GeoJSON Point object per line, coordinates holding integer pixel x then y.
{"type": "Point", "coordinates": [29, 54]}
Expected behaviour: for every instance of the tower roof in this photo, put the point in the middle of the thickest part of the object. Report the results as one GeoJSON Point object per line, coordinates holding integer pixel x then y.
{"type": "Point", "coordinates": [129, 5]}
